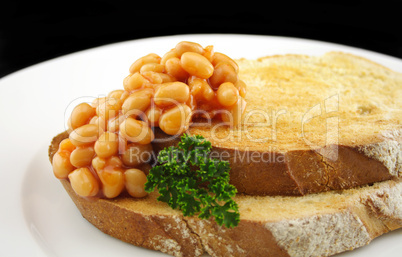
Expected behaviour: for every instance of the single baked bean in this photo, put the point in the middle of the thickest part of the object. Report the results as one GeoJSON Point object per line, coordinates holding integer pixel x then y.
{"type": "Point", "coordinates": [196, 65]}
{"type": "Point", "coordinates": [156, 67]}
{"type": "Point", "coordinates": [61, 164]}
{"type": "Point", "coordinates": [134, 81]}
{"type": "Point", "coordinates": [109, 109]}
{"type": "Point", "coordinates": [166, 78]}
{"type": "Point", "coordinates": [227, 94]}
{"type": "Point", "coordinates": [242, 87]}
{"type": "Point", "coordinates": [69, 126]}
{"type": "Point", "coordinates": [124, 96]}
{"type": "Point", "coordinates": [150, 58]}
{"type": "Point", "coordinates": [82, 156]}
{"type": "Point", "coordinates": [171, 94]}
{"type": "Point", "coordinates": [195, 85]}
{"type": "Point", "coordinates": [114, 123]}
{"type": "Point", "coordinates": [99, 163]}
{"type": "Point", "coordinates": [84, 182]}
{"type": "Point", "coordinates": [171, 54]}
{"type": "Point", "coordinates": [125, 80]}
{"type": "Point", "coordinates": [220, 57]}
{"type": "Point", "coordinates": [136, 154]}
{"type": "Point", "coordinates": [176, 120]}
{"type": "Point", "coordinates": [66, 144]}
{"type": "Point", "coordinates": [137, 102]}
{"type": "Point", "coordinates": [114, 162]}
{"type": "Point", "coordinates": [186, 46]}
{"type": "Point", "coordinates": [209, 53]}
{"type": "Point", "coordinates": [173, 67]}
{"type": "Point", "coordinates": [136, 131]}
{"type": "Point", "coordinates": [112, 181]}
{"type": "Point", "coordinates": [81, 115]}
{"type": "Point", "coordinates": [235, 115]}
{"type": "Point", "coordinates": [135, 180]}
{"type": "Point", "coordinates": [86, 134]}
{"type": "Point", "coordinates": [153, 115]}
{"type": "Point", "coordinates": [207, 92]}
{"type": "Point", "coordinates": [152, 77]}
{"type": "Point", "coordinates": [98, 101]}
{"type": "Point", "coordinates": [224, 72]}
{"type": "Point", "coordinates": [192, 103]}
{"type": "Point", "coordinates": [99, 121]}
{"type": "Point", "coordinates": [107, 145]}
{"type": "Point", "coordinates": [116, 94]}
{"type": "Point", "coordinates": [200, 89]}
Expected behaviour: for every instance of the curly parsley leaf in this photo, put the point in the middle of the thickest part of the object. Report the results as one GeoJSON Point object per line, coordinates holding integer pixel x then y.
{"type": "Point", "coordinates": [189, 180]}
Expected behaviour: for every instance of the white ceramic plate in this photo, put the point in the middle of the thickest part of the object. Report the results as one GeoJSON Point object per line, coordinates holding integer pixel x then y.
{"type": "Point", "coordinates": [37, 218]}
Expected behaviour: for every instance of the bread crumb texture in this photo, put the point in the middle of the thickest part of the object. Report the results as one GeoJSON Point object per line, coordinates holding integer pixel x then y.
{"type": "Point", "coordinates": [297, 102]}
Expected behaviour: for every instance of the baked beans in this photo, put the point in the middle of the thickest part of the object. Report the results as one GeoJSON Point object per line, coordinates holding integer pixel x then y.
{"type": "Point", "coordinates": [109, 149]}
{"type": "Point", "coordinates": [138, 102]}
{"type": "Point", "coordinates": [107, 145]}
{"type": "Point", "coordinates": [136, 131]}
{"type": "Point", "coordinates": [227, 94]}
{"type": "Point", "coordinates": [86, 134]}
{"type": "Point", "coordinates": [150, 58]}
{"type": "Point", "coordinates": [196, 65]}
{"type": "Point", "coordinates": [81, 114]}
{"type": "Point", "coordinates": [135, 180]}
{"type": "Point", "coordinates": [172, 93]}
{"type": "Point", "coordinates": [223, 72]}
{"type": "Point", "coordinates": [186, 46]}
{"type": "Point", "coordinates": [82, 156]}
{"type": "Point", "coordinates": [175, 120]}
{"type": "Point", "coordinates": [61, 164]}
{"type": "Point", "coordinates": [84, 182]}
{"type": "Point", "coordinates": [174, 68]}
{"type": "Point", "coordinates": [112, 181]}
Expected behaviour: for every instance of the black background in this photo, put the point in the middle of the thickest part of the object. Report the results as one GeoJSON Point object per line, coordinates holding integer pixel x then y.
{"type": "Point", "coordinates": [31, 32]}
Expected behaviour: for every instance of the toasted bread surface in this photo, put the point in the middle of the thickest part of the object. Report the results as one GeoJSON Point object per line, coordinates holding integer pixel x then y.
{"type": "Point", "coordinates": [312, 124]}
{"type": "Point", "coordinates": [291, 99]}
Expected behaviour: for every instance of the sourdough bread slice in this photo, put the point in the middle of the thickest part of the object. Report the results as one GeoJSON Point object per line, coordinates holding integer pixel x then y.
{"type": "Point", "coordinates": [312, 124]}
{"type": "Point", "coordinates": [320, 224]}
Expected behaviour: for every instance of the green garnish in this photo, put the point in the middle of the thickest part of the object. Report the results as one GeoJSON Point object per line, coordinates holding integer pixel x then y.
{"type": "Point", "coordinates": [189, 180]}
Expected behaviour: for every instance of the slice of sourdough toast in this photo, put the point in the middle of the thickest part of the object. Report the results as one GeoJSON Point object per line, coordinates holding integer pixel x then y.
{"type": "Point", "coordinates": [320, 224]}
{"type": "Point", "coordinates": [312, 124]}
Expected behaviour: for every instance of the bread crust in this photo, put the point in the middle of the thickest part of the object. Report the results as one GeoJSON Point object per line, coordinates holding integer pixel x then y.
{"type": "Point", "coordinates": [298, 172]}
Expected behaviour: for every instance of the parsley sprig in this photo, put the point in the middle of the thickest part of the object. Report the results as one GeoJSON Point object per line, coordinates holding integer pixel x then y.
{"type": "Point", "coordinates": [189, 180]}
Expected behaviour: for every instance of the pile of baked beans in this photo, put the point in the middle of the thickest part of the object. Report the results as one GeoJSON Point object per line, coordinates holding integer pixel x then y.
{"type": "Point", "coordinates": [109, 145]}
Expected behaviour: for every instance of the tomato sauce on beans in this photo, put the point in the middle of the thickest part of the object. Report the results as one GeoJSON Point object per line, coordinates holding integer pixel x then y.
{"type": "Point", "coordinates": [109, 146]}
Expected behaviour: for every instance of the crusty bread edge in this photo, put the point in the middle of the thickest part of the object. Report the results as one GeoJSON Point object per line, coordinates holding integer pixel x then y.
{"type": "Point", "coordinates": [375, 210]}
{"type": "Point", "coordinates": [388, 152]}
{"type": "Point", "coordinates": [375, 162]}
